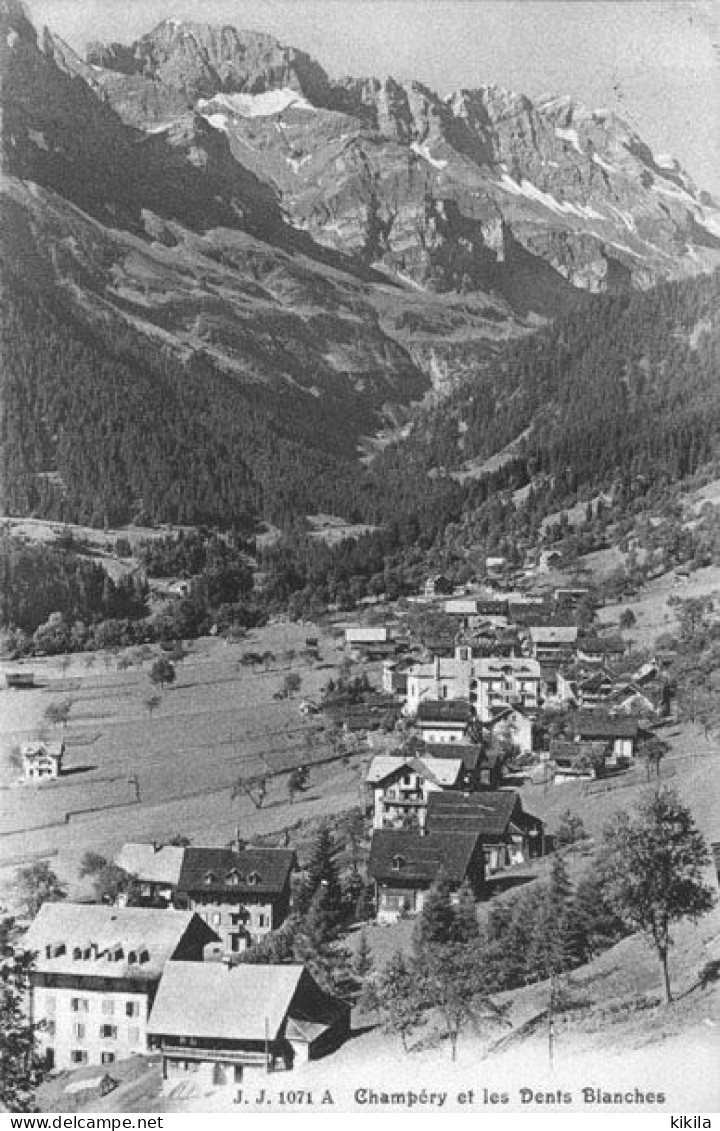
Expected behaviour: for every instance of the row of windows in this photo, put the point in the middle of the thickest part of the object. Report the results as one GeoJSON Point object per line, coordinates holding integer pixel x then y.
{"type": "Point", "coordinates": [214, 918]}
{"type": "Point", "coordinates": [82, 1005]}
{"type": "Point", "coordinates": [106, 1032]}
{"type": "Point", "coordinates": [80, 1056]}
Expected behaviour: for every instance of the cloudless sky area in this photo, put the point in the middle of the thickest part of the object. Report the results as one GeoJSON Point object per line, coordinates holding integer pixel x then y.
{"type": "Point", "coordinates": [655, 62]}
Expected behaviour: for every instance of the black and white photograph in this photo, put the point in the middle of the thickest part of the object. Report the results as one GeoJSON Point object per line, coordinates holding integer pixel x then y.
{"type": "Point", "coordinates": [359, 560]}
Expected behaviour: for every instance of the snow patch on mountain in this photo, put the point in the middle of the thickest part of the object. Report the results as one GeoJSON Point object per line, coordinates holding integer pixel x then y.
{"type": "Point", "coordinates": [217, 121]}
{"type": "Point", "coordinates": [604, 164]}
{"type": "Point", "coordinates": [571, 136]}
{"type": "Point", "coordinates": [423, 151]}
{"type": "Point", "coordinates": [626, 218]}
{"type": "Point", "coordinates": [257, 105]}
{"type": "Point", "coordinates": [667, 188]}
{"type": "Point", "coordinates": [560, 207]}
{"type": "Point", "coordinates": [297, 163]}
{"type": "Point", "coordinates": [665, 161]}
{"type": "Point", "coordinates": [711, 221]}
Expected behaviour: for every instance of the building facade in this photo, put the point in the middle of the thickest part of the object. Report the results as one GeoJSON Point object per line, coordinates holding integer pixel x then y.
{"type": "Point", "coordinates": [42, 761]}
{"type": "Point", "coordinates": [96, 974]}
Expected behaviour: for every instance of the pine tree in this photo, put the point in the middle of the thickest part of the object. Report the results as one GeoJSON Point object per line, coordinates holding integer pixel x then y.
{"type": "Point", "coordinates": [399, 998]}
{"type": "Point", "coordinates": [22, 1067]}
{"type": "Point", "coordinates": [466, 927]}
{"type": "Point", "coordinates": [548, 954]}
{"type": "Point", "coordinates": [322, 869]}
{"type": "Point", "coordinates": [363, 961]}
{"type": "Point", "coordinates": [436, 923]}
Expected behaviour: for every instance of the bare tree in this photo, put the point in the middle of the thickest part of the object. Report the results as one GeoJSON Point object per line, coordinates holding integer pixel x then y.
{"type": "Point", "coordinates": [253, 787]}
{"type": "Point", "coordinates": [152, 703]}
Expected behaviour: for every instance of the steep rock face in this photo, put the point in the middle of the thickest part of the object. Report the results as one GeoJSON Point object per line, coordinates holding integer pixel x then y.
{"type": "Point", "coordinates": [367, 231]}
{"type": "Point", "coordinates": [199, 60]}
{"type": "Point", "coordinates": [441, 192]}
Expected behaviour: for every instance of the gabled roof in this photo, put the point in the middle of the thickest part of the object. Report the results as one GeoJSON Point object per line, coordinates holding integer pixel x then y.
{"type": "Point", "coordinates": [497, 714]}
{"type": "Point", "coordinates": [553, 634]}
{"type": "Point", "coordinates": [492, 608]}
{"type": "Point", "coordinates": [445, 711]}
{"type": "Point", "coordinates": [216, 1001]}
{"type": "Point", "coordinates": [40, 748]}
{"type": "Point", "coordinates": [443, 772]}
{"type": "Point", "coordinates": [602, 645]}
{"type": "Point", "coordinates": [148, 936]}
{"type": "Point", "coordinates": [367, 634]}
{"type": "Point", "coordinates": [482, 814]}
{"type": "Point", "coordinates": [594, 682]}
{"type": "Point", "coordinates": [251, 870]}
{"type": "Point", "coordinates": [595, 725]}
{"type": "Point", "coordinates": [153, 863]}
{"type": "Point", "coordinates": [471, 755]}
{"type": "Point", "coordinates": [492, 667]}
{"type": "Point", "coordinates": [563, 751]}
{"type": "Point", "coordinates": [406, 857]}
{"type": "Point", "coordinates": [445, 668]}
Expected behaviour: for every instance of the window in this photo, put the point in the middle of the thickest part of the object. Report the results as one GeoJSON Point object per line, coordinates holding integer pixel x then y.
{"type": "Point", "coordinates": [50, 1003]}
{"type": "Point", "coordinates": [263, 920]}
{"type": "Point", "coordinates": [79, 1031]}
{"type": "Point", "coordinates": [79, 1056]}
{"type": "Point", "coordinates": [132, 1008]}
{"type": "Point", "coordinates": [50, 1028]}
{"type": "Point", "coordinates": [107, 1058]}
{"type": "Point", "coordinates": [209, 878]}
{"type": "Point", "coordinates": [79, 1004]}
{"type": "Point", "coordinates": [397, 863]}
{"type": "Point", "coordinates": [134, 1035]}
{"type": "Point", "coordinates": [253, 879]}
{"type": "Point", "coordinates": [216, 918]}
{"type": "Point", "coordinates": [108, 1032]}
{"type": "Point", "coordinates": [108, 1007]}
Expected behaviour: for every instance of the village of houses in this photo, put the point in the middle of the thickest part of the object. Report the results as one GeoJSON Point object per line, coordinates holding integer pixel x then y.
{"type": "Point", "coordinates": [512, 689]}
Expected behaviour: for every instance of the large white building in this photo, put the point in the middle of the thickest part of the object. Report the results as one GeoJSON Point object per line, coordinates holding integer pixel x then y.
{"type": "Point", "coordinates": [401, 786]}
{"type": "Point", "coordinates": [485, 682]}
{"type": "Point", "coordinates": [96, 975]}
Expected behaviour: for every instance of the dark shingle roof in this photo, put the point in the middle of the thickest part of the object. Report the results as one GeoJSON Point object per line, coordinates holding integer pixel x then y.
{"type": "Point", "coordinates": [483, 814]}
{"type": "Point", "coordinates": [602, 645]}
{"type": "Point", "coordinates": [214, 870]}
{"type": "Point", "coordinates": [445, 710]}
{"type": "Point", "coordinates": [420, 857]}
{"type": "Point", "coordinates": [605, 726]}
{"type": "Point", "coordinates": [567, 752]}
{"type": "Point", "coordinates": [471, 755]}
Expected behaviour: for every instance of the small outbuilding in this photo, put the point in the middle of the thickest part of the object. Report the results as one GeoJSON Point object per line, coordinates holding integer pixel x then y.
{"type": "Point", "coordinates": [42, 761]}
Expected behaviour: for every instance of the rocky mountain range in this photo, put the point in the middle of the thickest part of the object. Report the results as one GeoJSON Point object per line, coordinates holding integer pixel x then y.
{"type": "Point", "coordinates": [360, 241]}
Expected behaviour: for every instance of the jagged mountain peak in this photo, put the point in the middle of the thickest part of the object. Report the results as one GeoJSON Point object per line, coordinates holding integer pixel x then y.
{"type": "Point", "coordinates": [202, 59]}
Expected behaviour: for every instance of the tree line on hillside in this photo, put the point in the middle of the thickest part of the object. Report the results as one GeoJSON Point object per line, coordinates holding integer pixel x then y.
{"type": "Point", "coordinates": [102, 429]}
{"type": "Point", "coordinates": [647, 877]}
